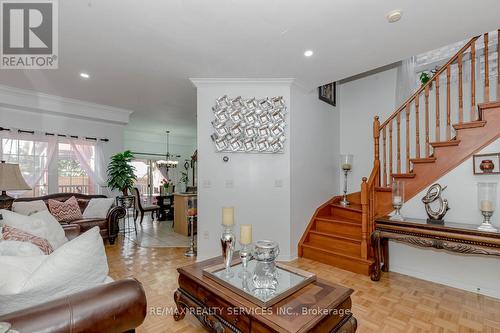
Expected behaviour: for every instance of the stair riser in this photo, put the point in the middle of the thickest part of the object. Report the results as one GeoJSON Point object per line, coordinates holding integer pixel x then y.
{"type": "Point", "coordinates": [337, 261]}
{"type": "Point", "coordinates": [338, 228]}
{"type": "Point", "coordinates": [340, 213]}
{"type": "Point", "coordinates": [335, 244]}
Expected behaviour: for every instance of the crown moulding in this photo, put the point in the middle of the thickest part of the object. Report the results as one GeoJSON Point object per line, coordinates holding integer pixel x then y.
{"type": "Point", "coordinates": [32, 101]}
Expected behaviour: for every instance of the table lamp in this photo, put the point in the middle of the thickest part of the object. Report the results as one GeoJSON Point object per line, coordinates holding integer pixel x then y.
{"type": "Point", "coordinates": [11, 179]}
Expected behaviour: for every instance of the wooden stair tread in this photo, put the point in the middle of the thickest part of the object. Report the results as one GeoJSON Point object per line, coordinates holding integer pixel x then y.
{"type": "Point", "coordinates": [471, 124]}
{"type": "Point", "coordinates": [353, 207]}
{"type": "Point", "coordinates": [383, 189]}
{"type": "Point", "coordinates": [449, 143]}
{"type": "Point", "coordinates": [338, 236]}
{"type": "Point", "coordinates": [333, 219]}
{"type": "Point", "coordinates": [336, 253]}
{"type": "Point", "coordinates": [423, 160]}
{"type": "Point", "coordinates": [403, 175]}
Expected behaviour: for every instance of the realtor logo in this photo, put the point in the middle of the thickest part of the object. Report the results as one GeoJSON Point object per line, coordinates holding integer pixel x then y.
{"type": "Point", "coordinates": [29, 34]}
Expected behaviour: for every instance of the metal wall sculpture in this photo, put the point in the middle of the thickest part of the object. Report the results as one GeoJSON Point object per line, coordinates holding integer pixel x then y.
{"type": "Point", "coordinates": [249, 125]}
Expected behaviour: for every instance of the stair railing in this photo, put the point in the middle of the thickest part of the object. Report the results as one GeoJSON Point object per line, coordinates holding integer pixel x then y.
{"type": "Point", "coordinates": [423, 110]}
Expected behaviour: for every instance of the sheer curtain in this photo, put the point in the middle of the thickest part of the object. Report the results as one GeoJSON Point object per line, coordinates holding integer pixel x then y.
{"type": "Point", "coordinates": [33, 153]}
{"type": "Point", "coordinates": [91, 158]}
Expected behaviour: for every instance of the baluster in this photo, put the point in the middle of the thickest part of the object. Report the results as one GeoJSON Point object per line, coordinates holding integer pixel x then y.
{"type": "Point", "coordinates": [408, 137]}
{"type": "Point", "coordinates": [417, 127]}
{"type": "Point", "coordinates": [473, 80]}
{"type": "Point", "coordinates": [498, 65]}
{"type": "Point", "coordinates": [486, 71]}
{"type": "Point", "coordinates": [460, 91]}
{"type": "Point", "coordinates": [427, 121]}
{"type": "Point", "coordinates": [448, 104]}
{"type": "Point", "coordinates": [438, 115]}
{"type": "Point", "coordinates": [390, 148]}
{"type": "Point", "coordinates": [398, 166]}
{"type": "Point", "coordinates": [385, 156]}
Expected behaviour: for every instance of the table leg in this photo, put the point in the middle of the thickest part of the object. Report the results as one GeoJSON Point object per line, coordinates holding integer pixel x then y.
{"type": "Point", "coordinates": [375, 274]}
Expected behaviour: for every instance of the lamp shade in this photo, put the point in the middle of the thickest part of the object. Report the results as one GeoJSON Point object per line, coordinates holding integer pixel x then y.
{"type": "Point", "coordinates": [11, 178]}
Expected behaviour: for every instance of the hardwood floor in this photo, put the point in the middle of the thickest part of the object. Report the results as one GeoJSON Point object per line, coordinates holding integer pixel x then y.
{"type": "Point", "coordinates": [397, 303]}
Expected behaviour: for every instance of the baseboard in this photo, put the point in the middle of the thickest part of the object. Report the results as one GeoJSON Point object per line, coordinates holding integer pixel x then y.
{"type": "Point", "coordinates": [445, 280]}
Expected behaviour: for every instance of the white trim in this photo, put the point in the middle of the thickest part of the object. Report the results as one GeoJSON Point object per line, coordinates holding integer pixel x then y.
{"type": "Point", "coordinates": [32, 101]}
{"type": "Point", "coordinates": [217, 81]}
{"type": "Point", "coordinates": [445, 280]}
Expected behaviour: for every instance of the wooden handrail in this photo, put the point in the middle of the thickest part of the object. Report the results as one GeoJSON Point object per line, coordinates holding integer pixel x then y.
{"type": "Point", "coordinates": [423, 87]}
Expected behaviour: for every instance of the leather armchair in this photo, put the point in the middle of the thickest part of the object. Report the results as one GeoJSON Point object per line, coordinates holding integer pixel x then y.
{"type": "Point", "coordinates": [115, 307]}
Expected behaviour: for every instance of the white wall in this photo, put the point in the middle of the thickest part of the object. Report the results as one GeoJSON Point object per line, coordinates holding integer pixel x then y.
{"type": "Point", "coordinates": [314, 159]}
{"type": "Point", "coordinates": [473, 273]}
{"type": "Point", "coordinates": [360, 100]}
{"type": "Point", "coordinates": [256, 193]}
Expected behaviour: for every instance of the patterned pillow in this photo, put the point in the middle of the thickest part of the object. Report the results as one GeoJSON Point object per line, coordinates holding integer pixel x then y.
{"type": "Point", "coordinates": [14, 234]}
{"type": "Point", "coordinates": [65, 211]}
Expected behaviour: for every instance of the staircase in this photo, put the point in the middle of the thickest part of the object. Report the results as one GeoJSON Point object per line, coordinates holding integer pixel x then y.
{"type": "Point", "coordinates": [417, 144]}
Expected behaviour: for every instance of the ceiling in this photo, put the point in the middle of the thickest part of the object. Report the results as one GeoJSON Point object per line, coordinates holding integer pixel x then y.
{"type": "Point", "coordinates": [141, 53]}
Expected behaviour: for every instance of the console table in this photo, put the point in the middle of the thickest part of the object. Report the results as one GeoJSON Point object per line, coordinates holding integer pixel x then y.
{"type": "Point", "coordinates": [453, 237]}
{"type": "Point", "coordinates": [318, 307]}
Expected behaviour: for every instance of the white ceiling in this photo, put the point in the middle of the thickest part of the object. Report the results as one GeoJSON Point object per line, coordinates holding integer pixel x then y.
{"type": "Point", "coordinates": [140, 53]}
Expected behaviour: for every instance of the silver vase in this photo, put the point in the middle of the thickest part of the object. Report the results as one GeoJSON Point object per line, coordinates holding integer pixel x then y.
{"type": "Point", "coordinates": [228, 241]}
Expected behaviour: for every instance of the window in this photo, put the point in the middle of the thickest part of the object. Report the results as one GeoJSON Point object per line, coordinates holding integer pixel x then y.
{"type": "Point", "coordinates": [72, 178]}
{"type": "Point", "coordinates": [32, 159]}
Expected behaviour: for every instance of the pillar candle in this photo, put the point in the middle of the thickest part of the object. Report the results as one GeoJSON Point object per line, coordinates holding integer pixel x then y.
{"type": "Point", "coordinates": [246, 234]}
{"type": "Point", "coordinates": [486, 206]}
{"type": "Point", "coordinates": [228, 216]}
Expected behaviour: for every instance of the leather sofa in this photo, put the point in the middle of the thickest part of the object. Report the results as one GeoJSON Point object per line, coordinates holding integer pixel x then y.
{"type": "Point", "coordinates": [109, 226]}
{"type": "Point", "coordinates": [115, 307]}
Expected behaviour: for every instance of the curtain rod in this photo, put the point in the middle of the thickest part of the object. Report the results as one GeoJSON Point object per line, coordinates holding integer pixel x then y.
{"type": "Point", "coordinates": [55, 134]}
{"type": "Point", "coordinates": [153, 154]}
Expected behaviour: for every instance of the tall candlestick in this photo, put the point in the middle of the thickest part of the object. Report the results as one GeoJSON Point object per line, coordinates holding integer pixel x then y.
{"type": "Point", "coordinates": [246, 234]}
{"type": "Point", "coordinates": [228, 216]}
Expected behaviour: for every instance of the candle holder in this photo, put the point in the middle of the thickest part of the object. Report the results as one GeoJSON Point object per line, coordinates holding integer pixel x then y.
{"type": "Point", "coordinates": [487, 198]}
{"type": "Point", "coordinates": [227, 241]}
{"type": "Point", "coordinates": [346, 165]}
{"type": "Point", "coordinates": [245, 257]}
{"type": "Point", "coordinates": [191, 215]}
{"type": "Point", "coordinates": [398, 198]}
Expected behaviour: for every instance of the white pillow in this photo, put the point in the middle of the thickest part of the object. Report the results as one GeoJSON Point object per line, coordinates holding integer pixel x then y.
{"type": "Point", "coordinates": [78, 265]}
{"type": "Point", "coordinates": [17, 248]}
{"type": "Point", "coordinates": [16, 271]}
{"type": "Point", "coordinates": [98, 208]}
{"type": "Point", "coordinates": [41, 224]}
{"type": "Point", "coordinates": [28, 207]}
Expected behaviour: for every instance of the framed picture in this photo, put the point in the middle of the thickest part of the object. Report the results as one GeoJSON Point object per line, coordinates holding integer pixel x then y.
{"type": "Point", "coordinates": [328, 94]}
{"type": "Point", "coordinates": [486, 164]}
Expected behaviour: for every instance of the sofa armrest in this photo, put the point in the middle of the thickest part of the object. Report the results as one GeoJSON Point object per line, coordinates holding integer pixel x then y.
{"type": "Point", "coordinates": [115, 307]}
{"type": "Point", "coordinates": [71, 230]}
{"type": "Point", "coordinates": [114, 215]}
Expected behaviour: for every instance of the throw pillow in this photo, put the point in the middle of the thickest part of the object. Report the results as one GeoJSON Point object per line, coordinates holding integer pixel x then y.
{"type": "Point", "coordinates": [66, 211]}
{"type": "Point", "coordinates": [76, 266]}
{"type": "Point", "coordinates": [40, 224]}
{"type": "Point", "coordinates": [29, 207]}
{"type": "Point", "coordinates": [17, 248]}
{"type": "Point", "coordinates": [98, 208]}
{"type": "Point", "coordinates": [15, 272]}
{"type": "Point", "coordinates": [11, 233]}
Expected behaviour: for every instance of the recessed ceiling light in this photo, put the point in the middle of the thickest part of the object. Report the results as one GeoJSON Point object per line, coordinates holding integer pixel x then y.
{"type": "Point", "coordinates": [308, 53]}
{"type": "Point", "coordinates": [85, 75]}
{"type": "Point", "coordinates": [394, 16]}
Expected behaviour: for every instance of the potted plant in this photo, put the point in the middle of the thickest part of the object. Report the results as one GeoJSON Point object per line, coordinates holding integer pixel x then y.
{"type": "Point", "coordinates": [424, 77]}
{"type": "Point", "coordinates": [184, 179]}
{"type": "Point", "coordinates": [121, 173]}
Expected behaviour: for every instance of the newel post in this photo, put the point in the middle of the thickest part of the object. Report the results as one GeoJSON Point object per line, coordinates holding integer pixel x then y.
{"type": "Point", "coordinates": [364, 218]}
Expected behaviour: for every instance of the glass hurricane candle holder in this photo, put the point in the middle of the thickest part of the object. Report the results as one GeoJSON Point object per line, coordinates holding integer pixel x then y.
{"type": "Point", "coordinates": [487, 199]}
{"type": "Point", "coordinates": [346, 165]}
{"type": "Point", "coordinates": [398, 198]}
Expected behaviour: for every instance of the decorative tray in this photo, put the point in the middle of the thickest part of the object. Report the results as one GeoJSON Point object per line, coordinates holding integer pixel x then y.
{"type": "Point", "coordinates": [290, 280]}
